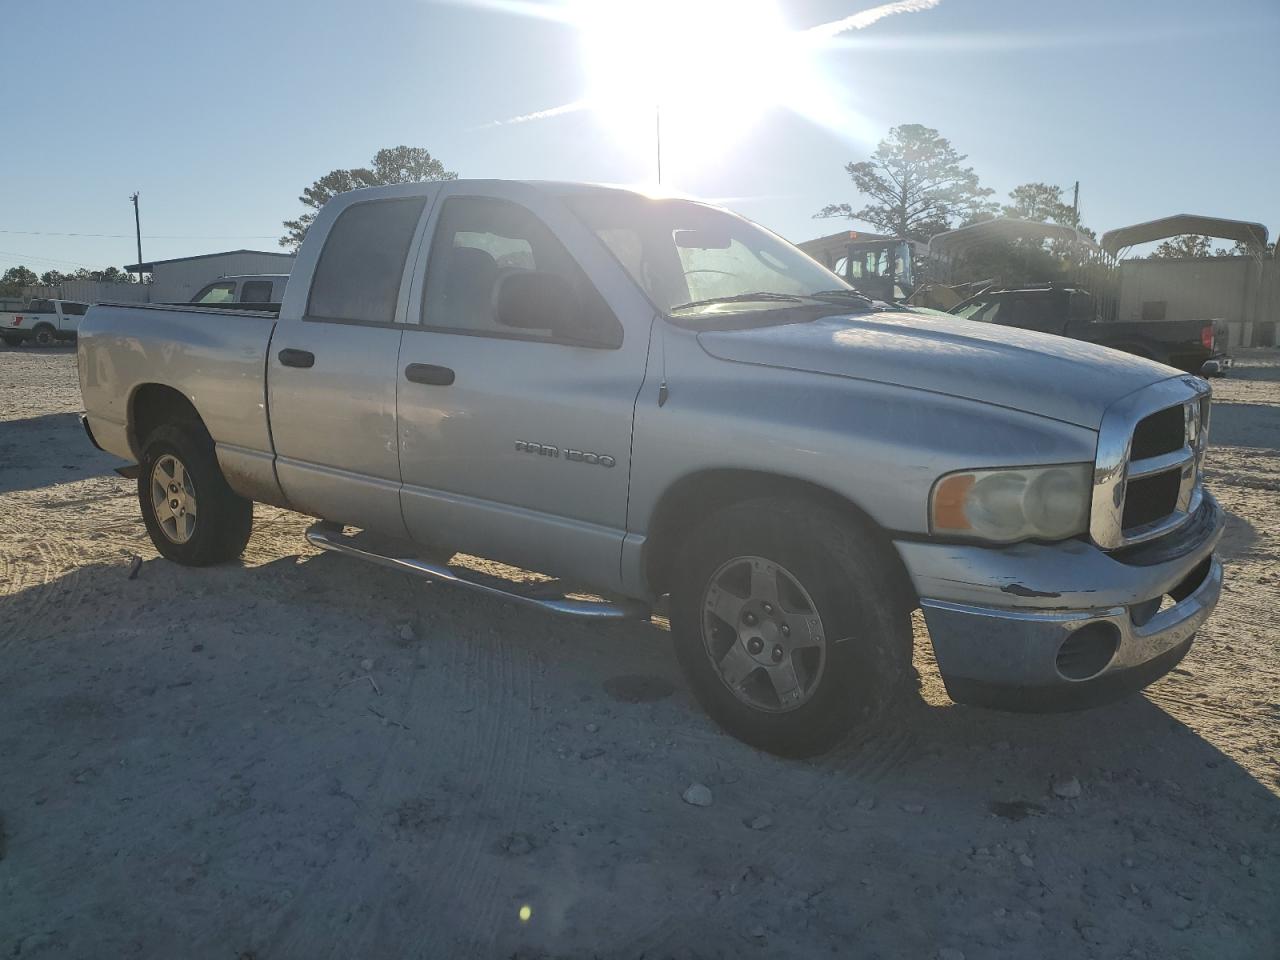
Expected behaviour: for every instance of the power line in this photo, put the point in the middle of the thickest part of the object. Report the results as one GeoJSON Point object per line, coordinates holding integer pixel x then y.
{"type": "Point", "coordinates": [149, 236]}
{"type": "Point", "coordinates": [51, 260]}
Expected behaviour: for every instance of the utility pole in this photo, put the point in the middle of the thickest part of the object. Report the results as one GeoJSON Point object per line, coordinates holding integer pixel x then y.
{"type": "Point", "coordinates": [137, 226]}
{"type": "Point", "coordinates": [1075, 206]}
{"type": "Point", "coordinates": [657, 117]}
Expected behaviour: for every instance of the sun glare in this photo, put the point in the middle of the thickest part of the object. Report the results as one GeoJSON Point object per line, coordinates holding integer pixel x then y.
{"type": "Point", "coordinates": [712, 67]}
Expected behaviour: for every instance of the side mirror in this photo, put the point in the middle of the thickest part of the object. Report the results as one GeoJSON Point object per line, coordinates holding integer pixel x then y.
{"type": "Point", "coordinates": [536, 300]}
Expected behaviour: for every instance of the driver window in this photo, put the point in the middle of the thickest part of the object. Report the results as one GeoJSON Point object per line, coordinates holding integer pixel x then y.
{"type": "Point", "coordinates": [478, 242]}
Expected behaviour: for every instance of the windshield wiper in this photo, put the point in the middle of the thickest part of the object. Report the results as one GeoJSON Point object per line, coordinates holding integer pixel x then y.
{"type": "Point", "coordinates": [839, 294]}
{"type": "Point", "coordinates": [759, 295]}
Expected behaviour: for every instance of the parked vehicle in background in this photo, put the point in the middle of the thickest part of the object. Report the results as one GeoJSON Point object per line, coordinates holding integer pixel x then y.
{"type": "Point", "coordinates": [651, 397]}
{"type": "Point", "coordinates": [878, 267]}
{"type": "Point", "coordinates": [1190, 345]}
{"type": "Point", "coordinates": [256, 288]}
{"type": "Point", "coordinates": [42, 322]}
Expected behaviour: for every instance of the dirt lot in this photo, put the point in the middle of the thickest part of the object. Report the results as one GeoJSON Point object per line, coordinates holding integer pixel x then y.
{"type": "Point", "coordinates": [302, 756]}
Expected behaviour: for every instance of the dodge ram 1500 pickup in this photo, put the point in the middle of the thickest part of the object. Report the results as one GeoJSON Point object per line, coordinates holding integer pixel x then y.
{"type": "Point", "coordinates": [654, 398]}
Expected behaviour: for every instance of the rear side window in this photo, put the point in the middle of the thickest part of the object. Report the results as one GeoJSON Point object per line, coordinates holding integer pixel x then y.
{"type": "Point", "coordinates": [222, 292]}
{"type": "Point", "coordinates": [41, 306]}
{"type": "Point", "coordinates": [358, 276]}
{"type": "Point", "coordinates": [73, 309]}
{"type": "Point", "coordinates": [256, 291]}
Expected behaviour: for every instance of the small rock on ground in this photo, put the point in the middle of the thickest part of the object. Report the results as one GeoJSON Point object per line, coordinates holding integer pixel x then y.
{"type": "Point", "coordinates": [517, 845]}
{"type": "Point", "coordinates": [1181, 922]}
{"type": "Point", "coordinates": [366, 665]}
{"type": "Point", "coordinates": [407, 634]}
{"type": "Point", "coordinates": [913, 808]}
{"type": "Point", "coordinates": [762, 822]}
{"type": "Point", "coordinates": [1067, 789]}
{"type": "Point", "coordinates": [698, 795]}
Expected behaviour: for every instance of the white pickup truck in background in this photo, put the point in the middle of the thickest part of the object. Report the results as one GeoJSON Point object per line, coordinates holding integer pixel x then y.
{"type": "Point", "coordinates": [43, 321]}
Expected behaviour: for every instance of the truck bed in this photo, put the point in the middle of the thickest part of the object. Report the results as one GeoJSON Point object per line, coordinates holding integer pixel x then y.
{"type": "Point", "coordinates": [214, 357]}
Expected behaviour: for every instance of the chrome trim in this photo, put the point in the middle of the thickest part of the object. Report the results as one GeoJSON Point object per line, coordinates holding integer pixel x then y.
{"type": "Point", "coordinates": [1021, 646]}
{"type": "Point", "coordinates": [1165, 461]}
{"type": "Point", "coordinates": [1113, 468]}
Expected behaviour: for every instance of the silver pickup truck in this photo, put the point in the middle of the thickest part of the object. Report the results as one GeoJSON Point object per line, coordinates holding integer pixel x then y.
{"type": "Point", "coordinates": [654, 398]}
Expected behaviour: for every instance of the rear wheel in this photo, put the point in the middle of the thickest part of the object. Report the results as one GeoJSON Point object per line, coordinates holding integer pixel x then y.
{"type": "Point", "coordinates": [787, 624]}
{"type": "Point", "coordinates": [44, 335]}
{"type": "Point", "coordinates": [11, 341]}
{"type": "Point", "coordinates": [191, 514]}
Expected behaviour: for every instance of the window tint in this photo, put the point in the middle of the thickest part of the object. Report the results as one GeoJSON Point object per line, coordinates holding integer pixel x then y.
{"type": "Point", "coordinates": [256, 291]}
{"type": "Point", "coordinates": [1031, 313]}
{"type": "Point", "coordinates": [73, 309]}
{"type": "Point", "coordinates": [222, 292]}
{"type": "Point", "coordinates": [481, 240]}
{"type": "Point", "coordinates": [358, 276]}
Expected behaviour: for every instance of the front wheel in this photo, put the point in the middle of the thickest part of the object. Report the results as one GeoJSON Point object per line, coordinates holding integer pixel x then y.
{"type": "Point", "coordinates": [192, 515]}
{"type": "Point", "coordinates": [787, 624]}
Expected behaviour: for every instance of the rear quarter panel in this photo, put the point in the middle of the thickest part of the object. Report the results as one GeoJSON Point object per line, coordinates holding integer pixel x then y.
{"type": "Point", "coordinates": [216, 359]}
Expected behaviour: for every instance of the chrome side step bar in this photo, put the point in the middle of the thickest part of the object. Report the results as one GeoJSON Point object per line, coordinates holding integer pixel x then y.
{"type": "Point", "coordinates": [328, 536]}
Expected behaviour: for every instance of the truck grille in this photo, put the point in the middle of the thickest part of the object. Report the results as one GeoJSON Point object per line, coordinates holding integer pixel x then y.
{"type": "Point", "coordinates": [1150, 452]}
{"type": "Point", "coordinates": [1162, 432]}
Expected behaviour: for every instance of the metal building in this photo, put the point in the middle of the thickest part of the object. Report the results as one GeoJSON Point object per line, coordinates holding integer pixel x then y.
{"type": "Point", "coordinates": [1243, 290]}
{"type": "Point", "coordinates": [179, 279]}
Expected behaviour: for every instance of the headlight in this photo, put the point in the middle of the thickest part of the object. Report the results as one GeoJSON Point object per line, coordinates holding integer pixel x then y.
{"type": "Point", "coordinates": [1041, 503]}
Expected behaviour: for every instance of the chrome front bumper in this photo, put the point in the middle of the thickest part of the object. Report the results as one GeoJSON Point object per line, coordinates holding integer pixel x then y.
{"type": "Point", "coordinates": [1000, 618]}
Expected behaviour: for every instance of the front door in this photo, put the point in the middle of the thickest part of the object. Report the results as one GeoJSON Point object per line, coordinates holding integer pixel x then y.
{"type": "Point", "coordinates": [515, 443]}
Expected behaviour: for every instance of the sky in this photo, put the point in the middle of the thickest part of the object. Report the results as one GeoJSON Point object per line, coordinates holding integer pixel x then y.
{"type": "Point", "coordinates": [219, 114]}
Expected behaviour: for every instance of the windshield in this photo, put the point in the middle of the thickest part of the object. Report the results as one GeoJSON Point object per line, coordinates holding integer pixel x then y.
{"type": "Point", "coordinates": [694, 260]}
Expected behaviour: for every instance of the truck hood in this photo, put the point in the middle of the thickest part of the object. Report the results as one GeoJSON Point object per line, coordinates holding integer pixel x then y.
{"type": "Point", "coordinates": [1038, 373]}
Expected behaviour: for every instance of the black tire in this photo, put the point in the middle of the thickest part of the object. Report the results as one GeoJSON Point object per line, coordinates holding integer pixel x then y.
{"type": "Point", "coordinates": [223, 519]}
{"type": "Point", "coordinates": [12, 341]}
{"type": "Point", "coordinates": [44, 335]}
{"type": "Point", "coordinates": [842, 567]}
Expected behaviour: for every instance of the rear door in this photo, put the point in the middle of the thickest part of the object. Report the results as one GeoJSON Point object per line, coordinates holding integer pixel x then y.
{"type": "Point", "coordinates": [515, 444]}
{"type": "Point", "coordinates": [69, 315]}
{"type": "Point", "coordinates": [332, 368]}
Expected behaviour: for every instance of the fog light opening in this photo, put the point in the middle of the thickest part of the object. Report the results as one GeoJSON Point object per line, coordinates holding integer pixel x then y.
{"type": "Point", "coordinates": [1087, 651]}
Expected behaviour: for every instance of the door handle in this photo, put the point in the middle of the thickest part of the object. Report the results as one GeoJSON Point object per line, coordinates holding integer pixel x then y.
{"type": "Point", "coordinates": [428, 373]}
{"type": "Point", "coordinates": [297, 358]}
